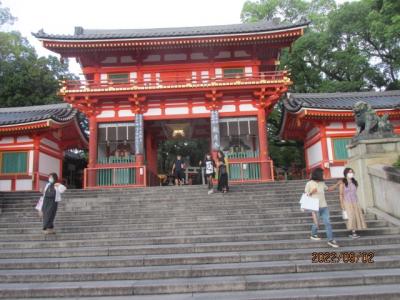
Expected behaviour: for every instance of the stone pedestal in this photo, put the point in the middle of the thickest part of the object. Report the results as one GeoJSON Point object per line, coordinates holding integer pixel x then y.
{"type": "Point", "coordinates": [365, 153]}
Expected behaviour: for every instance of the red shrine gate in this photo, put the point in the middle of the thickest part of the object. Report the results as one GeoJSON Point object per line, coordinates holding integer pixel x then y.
{"type": "Point", "coordinates": [142, 86]}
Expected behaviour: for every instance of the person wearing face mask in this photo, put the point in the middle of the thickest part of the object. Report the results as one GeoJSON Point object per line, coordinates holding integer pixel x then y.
{"type": "Point", "coordinates": [349, 203]}
{"type": "Point", "coordinates": [209, 165]}
{"type": "Point", "coordinates": [51, 196]}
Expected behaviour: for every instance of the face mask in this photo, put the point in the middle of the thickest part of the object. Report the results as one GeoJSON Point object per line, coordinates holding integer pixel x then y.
{"type": "Point", "coordinates": [350, 175]}
{"type": "Point", "coordinates": [51, 180]}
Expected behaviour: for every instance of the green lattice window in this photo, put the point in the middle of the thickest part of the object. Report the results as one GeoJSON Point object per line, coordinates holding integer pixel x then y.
{"type": "Point", "coordinates": [14, 162]}
{"type": "Point", "coordinates": [340, 150]}
{"type": "Point", "coordinates": [119, 78]}
{"type": "Point", "coordinates": [233, 72]}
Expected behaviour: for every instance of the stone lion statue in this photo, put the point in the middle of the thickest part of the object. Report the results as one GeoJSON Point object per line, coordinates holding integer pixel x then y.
{"type": "Point", "coordinates": [369, 124]}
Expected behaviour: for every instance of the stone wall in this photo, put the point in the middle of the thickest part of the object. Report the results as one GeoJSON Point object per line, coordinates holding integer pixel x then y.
{"type": "Point", "coordinates": [366, 153]}
{"type": "Point", "coordinates": [386, 188]}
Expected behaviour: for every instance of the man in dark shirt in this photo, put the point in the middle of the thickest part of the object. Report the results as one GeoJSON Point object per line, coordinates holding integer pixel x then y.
{"type": "Point", "coordinates": [178, 169]}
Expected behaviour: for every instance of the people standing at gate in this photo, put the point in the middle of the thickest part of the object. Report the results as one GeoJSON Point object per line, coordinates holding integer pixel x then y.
{"type": "Point", "coordinates": [316, 188]}
{"type": "Point", "coordinates": [349, 203]}
{"type": "Point", "coordinates": [178, 169]}
{"type": "Point", "coordinates": [222, 172]}
{"type": "Point", "coordinates": [209, 165]}
{"type": "Point", "coordinates": [51, 196]}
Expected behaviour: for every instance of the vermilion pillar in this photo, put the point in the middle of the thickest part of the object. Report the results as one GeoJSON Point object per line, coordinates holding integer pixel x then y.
{"type": "Point", "coordinates": [92, 150]}
{"type": "Point", "coordinates": [324, 147]}
{"type": "Point", "coordinates": [263, 142]}
{"type": "Point", "coordinates": [35, 171]}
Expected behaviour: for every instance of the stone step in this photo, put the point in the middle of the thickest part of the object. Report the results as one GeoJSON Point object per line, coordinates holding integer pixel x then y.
{"type": "Point", "coordinates": [169, 206]}
{"type": "Point", "coordinates": [194, 285]}
{"type": "Point", "coordinates": [113, 261]}
{"type": "Point", "coordinates": [187, 271]}
{"type": "Point", "coordinates": [132, 224]}
{"type": "Point", "coordinates": [55, 241]}
{"type": "Point", "coordinates": [128, 233]}
{"type": "Point", "coordinates": [356, 292]}
{"type": "Point", "coordinates": [293, 207]}
{"type": "Point", "coordinates": [364, 241]}
{"type": "Point", "coordinates": [162, 198]}
{"type": "Point", "coordinates": [130, 219]}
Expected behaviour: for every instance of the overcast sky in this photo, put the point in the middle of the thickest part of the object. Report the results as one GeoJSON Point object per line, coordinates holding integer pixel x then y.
{"type": "Point", "coordinates": [61, 16]}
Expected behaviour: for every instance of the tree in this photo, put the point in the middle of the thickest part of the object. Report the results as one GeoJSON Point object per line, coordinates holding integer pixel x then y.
{"type": "Point", "coordinates": [5, 16]}
{"type": "Point", "coordinates": [25, 78]}
{"type": "Point", "coordinates": [351, 47]}
{"type": "Point", "coordinates": [374, 27]}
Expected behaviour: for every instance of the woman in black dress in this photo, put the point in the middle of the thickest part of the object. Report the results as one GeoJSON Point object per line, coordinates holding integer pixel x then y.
{"type": "Point", "coordinates": [222, 173]}
{"type": "Point", "coordinates": [51, 197]}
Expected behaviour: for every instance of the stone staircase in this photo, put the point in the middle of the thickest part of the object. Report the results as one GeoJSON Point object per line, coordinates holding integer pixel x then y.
{"type": "Point", "coordinates": [176, 243]}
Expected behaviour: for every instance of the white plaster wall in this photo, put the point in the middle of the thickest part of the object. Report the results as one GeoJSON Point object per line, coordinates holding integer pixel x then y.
{"type": "Point", "coordinates": [30, 162]}
{"type": "Point", "coordinates": [5, 185]}
{"type": "Point", "coordinates": [24, 138]}
{"type": "Point", "coordinates": [153, 112]}
{"type": "Point", "coordinates": [23, 185]}
{"type": "Point", "coordinates": [199, 110]}
{"type": "Point", "coordinates": [329, 147]}
{"type": "Point", "coordinates": [133, 76]}
{"type": "Point", "coordinates": [176, 110]}
{"type": "Point", "coordinates": [48, 164]}
{"type": "Point", "coordinates": [314, 154]}
{"type": "Point", "coordinates": [247, 107]}
{"type": "Point", "coordinates": [335, 125]}
{"type": "Point", "coordinates": [6, 140]}
{"type": "Point", "coordinates": [106, 114]}
{"type": "Point", "coordinates": [351, 124]}
{"type": "Point", "coordinates": [228, 108]}
{"type": "Point", "coordinates": [49, 143]}
{"type": "Point", "coordinates": [218, 73]}
{"type": "Point", "coordinates": [336, 172]}
{"type": "Point", "coordinates": [126, 113]}
{"type": "Point", "coordinates": [248, 71]}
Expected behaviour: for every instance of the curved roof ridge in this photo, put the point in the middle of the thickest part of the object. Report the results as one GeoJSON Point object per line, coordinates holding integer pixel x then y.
{"type": "Point", "coordinates": [35, 107]}
{"type": "Point", "coordinates": [59, 112]}
{"type": "Point", "coordinates": [92, 34]}
{"type": "Point", "coordinates": [342, 101]}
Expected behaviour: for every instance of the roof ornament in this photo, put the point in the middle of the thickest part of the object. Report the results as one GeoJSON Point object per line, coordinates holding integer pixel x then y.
{"type": "Point", "coordinates": [78, 30]}
{"type": "Point", "coordinates": [369, 124]}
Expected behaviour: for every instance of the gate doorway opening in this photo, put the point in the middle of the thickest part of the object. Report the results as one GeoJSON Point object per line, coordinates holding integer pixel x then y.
{"type": "Point", "coordinates": [167, 139]}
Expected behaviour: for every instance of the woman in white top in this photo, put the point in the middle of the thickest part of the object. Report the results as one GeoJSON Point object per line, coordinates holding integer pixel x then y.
{"type": "Point", "coordinates": [51, 196]}
{"type": "Point", "coordinates": [316, 188]}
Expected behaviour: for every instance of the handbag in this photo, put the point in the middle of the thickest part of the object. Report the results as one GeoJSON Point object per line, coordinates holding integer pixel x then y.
{"type": "Point", "coordinates": [344, 215]}
{"type": "Point", "coordinates": [309, 203]}
{"type": "Point", "coordinates": [39, 204]}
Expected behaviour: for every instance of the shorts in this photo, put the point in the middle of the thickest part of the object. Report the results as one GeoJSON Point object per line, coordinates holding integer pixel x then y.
{"type": "Point", "coordinates": [180, 175]}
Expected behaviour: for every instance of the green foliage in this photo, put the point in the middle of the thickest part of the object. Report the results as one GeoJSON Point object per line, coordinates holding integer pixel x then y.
{"type": "Point", "coordinates": [5, 16]}
{"type": "Point", "coordinates": [192, 151]}
{"type": "Point", "coordinates": [25, 78]}
{"type": "Point", "coordinates": [397, 163]}
{"type": "Point", "coordinates": [284, 154]}
{"type": "Point", "coordinates": [351, 47]}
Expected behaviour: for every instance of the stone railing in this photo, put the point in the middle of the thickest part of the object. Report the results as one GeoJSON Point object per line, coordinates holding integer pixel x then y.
{"type": "Point", "coordinates": [385, 183]}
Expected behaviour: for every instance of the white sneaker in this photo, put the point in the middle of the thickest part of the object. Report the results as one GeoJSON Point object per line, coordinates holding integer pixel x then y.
{"type": "Point", "coordinates": [333, 244]}
{"type": "Point", "coordinates": [315, 238]}
{"type": "Point", "coordinates": [210, 192]}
